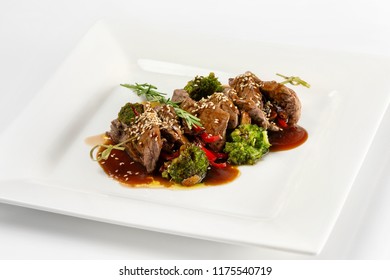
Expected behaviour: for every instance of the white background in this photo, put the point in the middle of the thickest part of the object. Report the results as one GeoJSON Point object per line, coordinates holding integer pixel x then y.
{"type": "Point", "coordinates": [35, 37]}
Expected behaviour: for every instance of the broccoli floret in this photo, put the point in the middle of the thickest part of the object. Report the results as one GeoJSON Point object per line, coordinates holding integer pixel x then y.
{"type": "Point", "coordinates": [129, 112]}
{"type": "Point", "coordinates": [189, 168]}
{"type": "Point", "coordinates": [249, 144]}
{"type": "Point", "coordinates": [201, 86]}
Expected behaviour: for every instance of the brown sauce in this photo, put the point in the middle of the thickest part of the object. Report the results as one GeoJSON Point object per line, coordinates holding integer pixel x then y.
{"type": "Point", "coordinates": [217, 176]}
{"type": "Point", "coordinates": [288, 138]}
{"type": "Point", "coordinates": [123, 169]}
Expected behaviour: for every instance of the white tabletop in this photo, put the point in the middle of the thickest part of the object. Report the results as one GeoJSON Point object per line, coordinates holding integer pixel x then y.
{"type": "Point", "coordinates": [35, 36]}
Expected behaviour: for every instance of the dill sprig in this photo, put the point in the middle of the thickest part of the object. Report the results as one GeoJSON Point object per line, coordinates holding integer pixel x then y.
{"type": "Point", "coordinates": [151, 94]}
{"type": "Point", "coordinates": [293, 80]}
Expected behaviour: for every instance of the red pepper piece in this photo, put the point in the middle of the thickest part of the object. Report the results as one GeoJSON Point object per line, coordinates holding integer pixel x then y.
{"type": "Point", "coordinates": [282, 123]}
{"type": "Point", "coordinates": [197, 128]}
{"type": "Point", "coordinates": [208, 138]}
{"type": "Point", "coordinates": [209, 154]}
{"type": "Point", "coordinates": [167, 156]}
{"type": "Point", "coordinates": [218, 165]}
{"type": "Point", "coordinates": [135, 111]}
{"type": "Point", "coordinates": [219, 155]}
{"type": "Point", "coordinates": [213, 156]}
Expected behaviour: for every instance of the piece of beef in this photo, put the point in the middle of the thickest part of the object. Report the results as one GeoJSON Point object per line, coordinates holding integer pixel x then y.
{"type": "Point", "coordinates": [222, 101]}
{"type": "Point", "coordinates": [284, 99]}
{"type": "Point", "coordinates": [118, 131]}
{"type": "Point", "coordinates": [183, 98]}
{"type": "Point", "coordinates": [215, 122]}
{"type": "Point", "coordinates": [170, 128]}
{"type": "Point", "coordinates": [217, 113]}
{"type": "Point", "coordinates": [245, 118]}
{"type": "Point", "coordinates": [146, 145]}
{"type": "Point", "coordinates": [179, 95]}
{"type": "Point", "coordinates": [216, 100]}
{"type": "Point", "coordinates": [249, 98]}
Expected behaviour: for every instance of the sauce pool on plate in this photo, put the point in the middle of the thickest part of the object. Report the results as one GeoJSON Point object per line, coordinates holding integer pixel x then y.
{"type": "Point", "coordinates": [288, 138]}
{"type": "Point", "coordinates": [123, 169]}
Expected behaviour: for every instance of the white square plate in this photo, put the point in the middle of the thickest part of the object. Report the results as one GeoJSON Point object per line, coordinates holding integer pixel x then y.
{"type": "Point", "coordinates": [289, 201]}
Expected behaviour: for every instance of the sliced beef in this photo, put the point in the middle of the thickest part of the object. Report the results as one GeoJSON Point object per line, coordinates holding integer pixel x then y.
{"type": "Point", "coordinates": [170, 128]}
{"type": "Point", "coordinates": [146, 145]}
{"type": "Point", "coordinates": [284, 99]}
{"type": "Point", "coordinates": [186, 102]}
{"type": "Point", "coordinates": [215, 122]}
{"type": "Point", "coordinates": [222, 101]}
{"type": "Point", "coordinates": [179, 95]}
{"type": "Point", "coordinates": [249, 98]}
{"type": "Point", "coordinates": [118, 131]}
{"type": "Point", "coordinates": [245, 118]}
{"type": "Point", "coordinates": [251, 105]}
{"type": "Point", "coordinates": [217, 113]}
{"type": "Point", "coordinates": [147, 148]}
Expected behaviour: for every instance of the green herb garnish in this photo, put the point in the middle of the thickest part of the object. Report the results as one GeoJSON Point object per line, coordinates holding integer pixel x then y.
{"type": "Point", "coordinates": [106, 153]}
{"type": "Point", "coordinates": [151, 94]}
{"type": "Point", "coordinates": [293, 80]}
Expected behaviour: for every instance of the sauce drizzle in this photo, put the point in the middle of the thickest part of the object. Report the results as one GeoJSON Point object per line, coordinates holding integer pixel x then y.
{"type": "Point", "coordinates": [123, 169]}
{"type": "Point", "coordinates": [288, 138]}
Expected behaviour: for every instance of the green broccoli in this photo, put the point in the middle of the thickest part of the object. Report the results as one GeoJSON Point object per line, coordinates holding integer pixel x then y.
{"type": "Point", "coordinates": [129, 112]}
{"type": "Point", "coordinates": [201, 86]}
{"type": "Point", "coordinates": [249, 144]}
{"type": "Point", "coordinates": [189, 168]}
